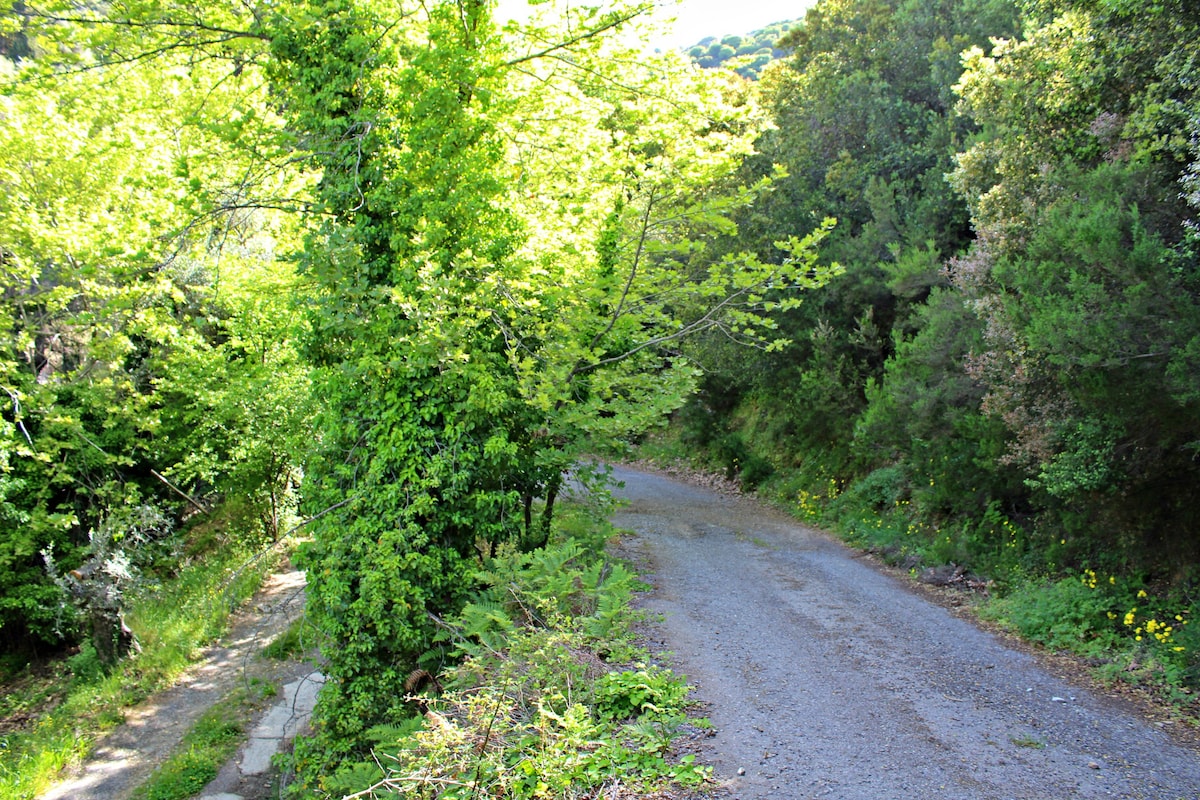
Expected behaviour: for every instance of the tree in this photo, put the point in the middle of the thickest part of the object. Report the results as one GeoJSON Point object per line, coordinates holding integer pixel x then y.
{"type": "Point", "coordinates": [747, 55]}
{"type": "Point", "coordinates": [127, 239]}
{"type": "Point", "coordinates": [506, 245]}
{"type": "Point", "coordinates": [501, 281]}
{"type": "Point", "coordinates": [101, 583]}
{"type": "Point", "coordinates": [1087, 268]}
{"type": "Point", "coordinates": [866, 128]}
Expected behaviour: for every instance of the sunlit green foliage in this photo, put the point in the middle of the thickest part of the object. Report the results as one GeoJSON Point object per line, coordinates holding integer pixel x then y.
{"type": "Point", "coordinates": [138, 347]}
{"type": "Point", "coordinates": [508, 236]}
{"type": "Point", "coordinates": [513, 248]}
{"type": "Point", "coordinates": [520, 244]}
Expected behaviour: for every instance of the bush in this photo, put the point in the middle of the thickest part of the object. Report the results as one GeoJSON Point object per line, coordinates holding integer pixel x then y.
{"type": "Point", "coordinates": [536, 708]}
{"type": "Point", "coordinates": [630, 694]}
{"type": "Point", "coordinates": [881, 489]}
{"type": "Point", "coordinates": [1138, 636]}
{"type": "Point", "coordinates": [755, 470]}
{"type": "Point", "coordinates": [1062, 615]}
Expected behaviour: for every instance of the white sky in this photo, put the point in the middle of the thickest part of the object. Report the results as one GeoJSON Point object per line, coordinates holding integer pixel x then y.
{"type": "Point", "coordinates": [696, 19]}
{"type": "Point", "coordinates": [699, 18]}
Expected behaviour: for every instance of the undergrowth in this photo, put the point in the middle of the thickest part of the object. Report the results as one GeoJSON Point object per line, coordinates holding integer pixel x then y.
{"type": "Point", "coordinates": [80, 700]}
{"type": "Point", "coordinates": [1126, 632]}
{"type": "Point", "coordinates": [298, 638]}
{"type": "Point", "coordinates": [1122, 623]}
{"type": "Point", "coordinates": [1127, 626]}
{"type": "Point", "coordinates": [551, 695]}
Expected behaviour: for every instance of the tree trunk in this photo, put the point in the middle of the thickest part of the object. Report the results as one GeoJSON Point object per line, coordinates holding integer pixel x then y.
{"type": "Point", "coordinates": [552, 489]}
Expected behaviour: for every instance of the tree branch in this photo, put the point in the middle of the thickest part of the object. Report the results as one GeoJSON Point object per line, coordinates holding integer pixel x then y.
{"type": "Point", "coordinates": [590, 33]}
{"type": "Point", "coordinates": [633, 270]}
{"type": "Point", "coordinates": [179, 491]}
{"type": "Point", "coordinates": [162, 24]}
{"type": "Point", "coordinates": [707, 321]}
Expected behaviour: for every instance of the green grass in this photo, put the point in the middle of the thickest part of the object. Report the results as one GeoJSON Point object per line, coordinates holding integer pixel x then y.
{"type": "Point", "coordinates": [1028, 741]}
{"type": "Point", "coordinates": [300, 637]}
{"type": "Point", "coordinates": [665, 446]}
{"type": "Point", "coordinates": [203, 750]}
{"type": "Point", "coordinates": [172, 621]}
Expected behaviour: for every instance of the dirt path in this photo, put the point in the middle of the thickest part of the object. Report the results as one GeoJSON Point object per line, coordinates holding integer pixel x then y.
{"type": "Point", "coordinates": [828, 679]}
{"type": "Point", "coordinates": [127, 755]}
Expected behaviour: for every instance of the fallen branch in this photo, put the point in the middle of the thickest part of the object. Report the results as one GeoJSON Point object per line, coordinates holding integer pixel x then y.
{"type": "Point", "coordinates": [195, 503]}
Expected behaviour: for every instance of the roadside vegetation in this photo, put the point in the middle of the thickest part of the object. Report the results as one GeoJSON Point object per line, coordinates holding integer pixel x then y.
{"type": "Point", "coordinates": [1124, 627]}
{"type": "Point", "coordinates": [547, 691]}
{"type": "Point", "coordinates": [389, 266]}
{"type": "Point", "coordinates": [1000, 386]}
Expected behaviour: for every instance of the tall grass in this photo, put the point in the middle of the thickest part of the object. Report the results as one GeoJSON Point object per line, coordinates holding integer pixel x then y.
{"type": "Point", "coordinates": [172, 620]}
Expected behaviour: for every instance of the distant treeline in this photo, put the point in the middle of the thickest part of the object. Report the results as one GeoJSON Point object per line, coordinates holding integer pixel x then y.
{"type": "Point", "coordinates": [746, 54]}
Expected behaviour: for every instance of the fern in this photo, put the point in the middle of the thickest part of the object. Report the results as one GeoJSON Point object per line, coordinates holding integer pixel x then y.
{"type": "Point", "coordinates": [482, 628]}
{"type": "Point", "coordinates": [391, 733]}
{"type": "Point", "coordinates": [531, 705]}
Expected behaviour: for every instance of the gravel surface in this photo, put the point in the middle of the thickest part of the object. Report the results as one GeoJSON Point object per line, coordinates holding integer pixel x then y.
{"type": "Point", "coordinates": [826, 678]}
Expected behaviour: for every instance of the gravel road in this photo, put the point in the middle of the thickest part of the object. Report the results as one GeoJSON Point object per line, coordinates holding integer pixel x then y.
{"type": "Point", "coordinates": [826, 678]}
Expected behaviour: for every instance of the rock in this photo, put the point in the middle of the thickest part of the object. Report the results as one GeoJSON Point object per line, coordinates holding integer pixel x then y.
{"type": "Point", "coordinates": [942, 576]}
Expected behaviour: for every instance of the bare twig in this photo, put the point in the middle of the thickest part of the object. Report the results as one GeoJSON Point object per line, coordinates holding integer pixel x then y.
{"type": "Point", "coordinates": [180, 492]}
{"type": "Point", "coordinates": [17, 415]}
{"type": "Point", "coordinates": [487, 738]}
{"type": "Point", "coordinates": [280, 541]}
{"type": "Point", "coordinates": [318, 515]}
